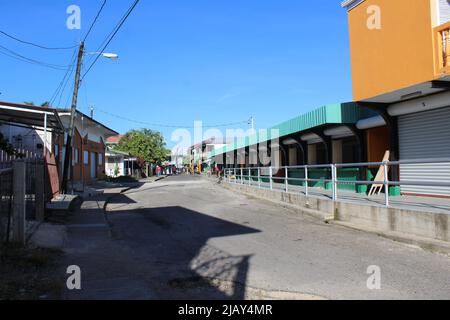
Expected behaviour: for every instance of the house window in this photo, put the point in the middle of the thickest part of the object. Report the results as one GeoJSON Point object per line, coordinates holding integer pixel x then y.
{"type": "Point", "coordinates": [100, 159]}
{"type": "Point", "coordinates": [86, 157]}
{"type": "Point", "coordinates": [75, 156]}
{"type": "Point", "coordinates": [56, 150]}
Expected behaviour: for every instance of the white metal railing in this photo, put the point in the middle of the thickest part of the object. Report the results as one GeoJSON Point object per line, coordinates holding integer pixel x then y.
{"type": "Point", "coordinates": [241, 174]}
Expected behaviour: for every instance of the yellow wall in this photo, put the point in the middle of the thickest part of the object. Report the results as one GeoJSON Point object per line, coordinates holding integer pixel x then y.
{"type": "Point", "coordinates": [398, 55]}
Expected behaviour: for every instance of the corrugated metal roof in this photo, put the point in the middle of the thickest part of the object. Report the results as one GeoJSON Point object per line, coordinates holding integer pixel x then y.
{"type": "Point", "coordinates": [340, 113]}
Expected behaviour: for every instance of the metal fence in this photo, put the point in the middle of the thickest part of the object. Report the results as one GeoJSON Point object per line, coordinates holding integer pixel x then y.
{"type": "Point", "coordinates": [35, 187]}
{"type": "Point", "coordinates": [281, 178]}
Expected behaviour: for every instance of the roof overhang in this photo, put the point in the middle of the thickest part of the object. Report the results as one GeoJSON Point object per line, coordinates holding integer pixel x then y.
{"type": "Point", "coordinates": [412, 92]}
{"type": "Point", "coordinates": [323, 117]}
{"type": "Point", "coordinates": [89, 121]}
{"type": "Point", "coordinates": [30, 117]}
{"type": "Point", "coordinates": [351, 4]}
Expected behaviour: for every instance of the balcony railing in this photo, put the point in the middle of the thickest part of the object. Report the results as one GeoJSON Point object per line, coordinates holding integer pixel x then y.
{"type": "Point", "coordinates": [442, 36]}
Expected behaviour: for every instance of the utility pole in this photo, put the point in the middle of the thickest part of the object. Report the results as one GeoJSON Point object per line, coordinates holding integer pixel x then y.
{"type": "Point", "coordinates": [70, 132]}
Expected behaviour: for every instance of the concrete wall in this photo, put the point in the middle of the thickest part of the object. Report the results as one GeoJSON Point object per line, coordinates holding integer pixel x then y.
{"type": "Point", "coordinates": [422, 224]}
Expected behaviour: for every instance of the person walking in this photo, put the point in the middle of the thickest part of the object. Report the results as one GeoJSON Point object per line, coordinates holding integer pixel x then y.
{"type": "Point", "coordinates": [158, 171]}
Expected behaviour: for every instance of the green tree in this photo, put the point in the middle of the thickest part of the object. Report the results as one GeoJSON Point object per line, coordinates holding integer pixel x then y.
{"type": "Point", "coordinates": [146, 144]}
{"type": "Point", "coordinates": [6, 146]}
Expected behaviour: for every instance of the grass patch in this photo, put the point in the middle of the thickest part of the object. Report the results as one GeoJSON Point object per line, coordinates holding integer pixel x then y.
{"type": "Point", "coordinates": [30, 273]}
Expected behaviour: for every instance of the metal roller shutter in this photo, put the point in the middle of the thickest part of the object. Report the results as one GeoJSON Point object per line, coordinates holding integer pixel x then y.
{"type": "Point", "coordinates": [425, 135]}
{"type": "Point", "coordinates": [444, 11]}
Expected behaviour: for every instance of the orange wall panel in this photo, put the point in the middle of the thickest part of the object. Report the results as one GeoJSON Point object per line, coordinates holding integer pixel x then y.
{"type": "Point", "coordinates": [378, 141]}
{"type": "Point", "coordinates": [399, 54]}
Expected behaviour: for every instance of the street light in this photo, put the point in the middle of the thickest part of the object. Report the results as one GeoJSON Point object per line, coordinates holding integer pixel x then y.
{"type": "Point", "coordinates": [70, 132]}
{"type": "Point", "coordinates": [112, 56]}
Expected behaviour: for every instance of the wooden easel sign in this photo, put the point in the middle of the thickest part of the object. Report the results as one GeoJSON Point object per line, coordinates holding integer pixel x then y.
{"type": "Point", "coordinates": [376, 188]}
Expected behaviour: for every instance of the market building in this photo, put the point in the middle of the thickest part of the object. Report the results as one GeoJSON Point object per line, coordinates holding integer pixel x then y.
{"type": "Point", "coordinates": [401, 71]}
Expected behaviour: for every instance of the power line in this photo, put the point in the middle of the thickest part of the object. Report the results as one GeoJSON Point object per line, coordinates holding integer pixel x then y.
{"type": "Point", "coordinates": [95, 20]}
{"type": "Point", "coordinates": [65, 79]}
{"type": "Point", "coordinates": [165, 125]}
{"type": "Point", "coordinates": [34, 44]}
{"type": "Point", "coordinates": [62, 85]}
{"type": "Point", "coordinates": [111, 37]}
{"type": "Point", "coordinates": [17, 56]}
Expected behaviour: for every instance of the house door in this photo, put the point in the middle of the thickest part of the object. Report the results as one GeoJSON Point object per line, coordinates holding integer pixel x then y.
{"type": "Point", "coordinates": [93, 165]}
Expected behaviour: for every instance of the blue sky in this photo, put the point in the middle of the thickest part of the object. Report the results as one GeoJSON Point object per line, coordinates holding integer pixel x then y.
{"type": "Point", "coordinates": [218, 61]}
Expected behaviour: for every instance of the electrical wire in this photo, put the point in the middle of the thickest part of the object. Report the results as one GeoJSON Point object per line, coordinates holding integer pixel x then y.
{"type": "Point", "coordinates": [65, 79]}
{"type": "Point", "coordinates": [111, 36]}
{"type": "Point", "coordinates": [34, 44]}
{"type": "Point", "coordinates": [12, 54]}
{"type": "Point", "coordinates": [166, 125]}
{"type": "Point", "coordinates": [95, 20]}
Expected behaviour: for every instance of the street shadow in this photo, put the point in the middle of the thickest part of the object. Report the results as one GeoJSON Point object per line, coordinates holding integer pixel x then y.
{"type": "Point", "coordinates": [121, 199]}
{"type": "Point", "coordinates": [173, 243]}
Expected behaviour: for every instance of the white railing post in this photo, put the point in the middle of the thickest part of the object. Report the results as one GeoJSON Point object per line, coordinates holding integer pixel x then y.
{"type": "Point", "coordinates": [334, 181]}
{"type": "Point", "coordinates": [286, 179]}
{"type": "Point", "coordinates": [270, 178]}
{"type": "Point", "coordinates": [249, 176]}
{"type": "Point", "coordinates": [242, 176]}
{"type": "Point", "coordinates": [306, 181]}
{"type": "Point", "coordinates": [386, 184]}
{"type": "Point", "coordinates": [259, 177]}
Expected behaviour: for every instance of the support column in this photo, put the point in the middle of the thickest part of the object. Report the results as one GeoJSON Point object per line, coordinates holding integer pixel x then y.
{"type": "Point", "coordinates": [362, 155]}
{"type": "Point", "coordinates": [327, 143]}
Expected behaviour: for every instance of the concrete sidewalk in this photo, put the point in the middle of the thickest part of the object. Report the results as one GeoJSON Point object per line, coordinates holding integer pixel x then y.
{"type": "Point", "coordinates": [90, 241]}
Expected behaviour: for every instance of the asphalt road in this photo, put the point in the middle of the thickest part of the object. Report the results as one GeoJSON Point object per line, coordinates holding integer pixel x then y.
{"type": "Point", "coordinates": [188, 238]}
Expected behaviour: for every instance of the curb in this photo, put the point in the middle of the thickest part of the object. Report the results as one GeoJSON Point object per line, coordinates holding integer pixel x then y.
{"type": "Point", "coordinates": [431, 245]}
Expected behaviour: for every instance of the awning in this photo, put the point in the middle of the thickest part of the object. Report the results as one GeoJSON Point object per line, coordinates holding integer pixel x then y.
{"type": "Point", "coordinates": [30, 116]}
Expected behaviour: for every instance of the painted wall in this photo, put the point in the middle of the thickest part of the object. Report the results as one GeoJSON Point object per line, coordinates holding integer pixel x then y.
{"type": "Point", "coordinates": [112, 162]}
{"type": "Point", "coordinates": [82, 169]}
{"type": "Point", "coordinates": [26, 138]}
{"type": "Point", "coordinates": [399, 54]}
{"type": "Point", "coordinates": [378, 142]}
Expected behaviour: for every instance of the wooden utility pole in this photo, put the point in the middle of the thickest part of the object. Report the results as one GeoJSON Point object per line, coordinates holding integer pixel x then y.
{"type": "Point", "coordinates": [70, 131]}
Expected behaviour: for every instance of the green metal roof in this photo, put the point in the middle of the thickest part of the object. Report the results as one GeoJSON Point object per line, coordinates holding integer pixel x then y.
{"type": "Point", "coordinates": [341, 113]}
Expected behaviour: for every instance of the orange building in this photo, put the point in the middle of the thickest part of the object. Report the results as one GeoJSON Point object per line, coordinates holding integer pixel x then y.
{"type": "Point", "coordinates": [88, 153]}
{"type": "Point", "coordinates": [400, 59]}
